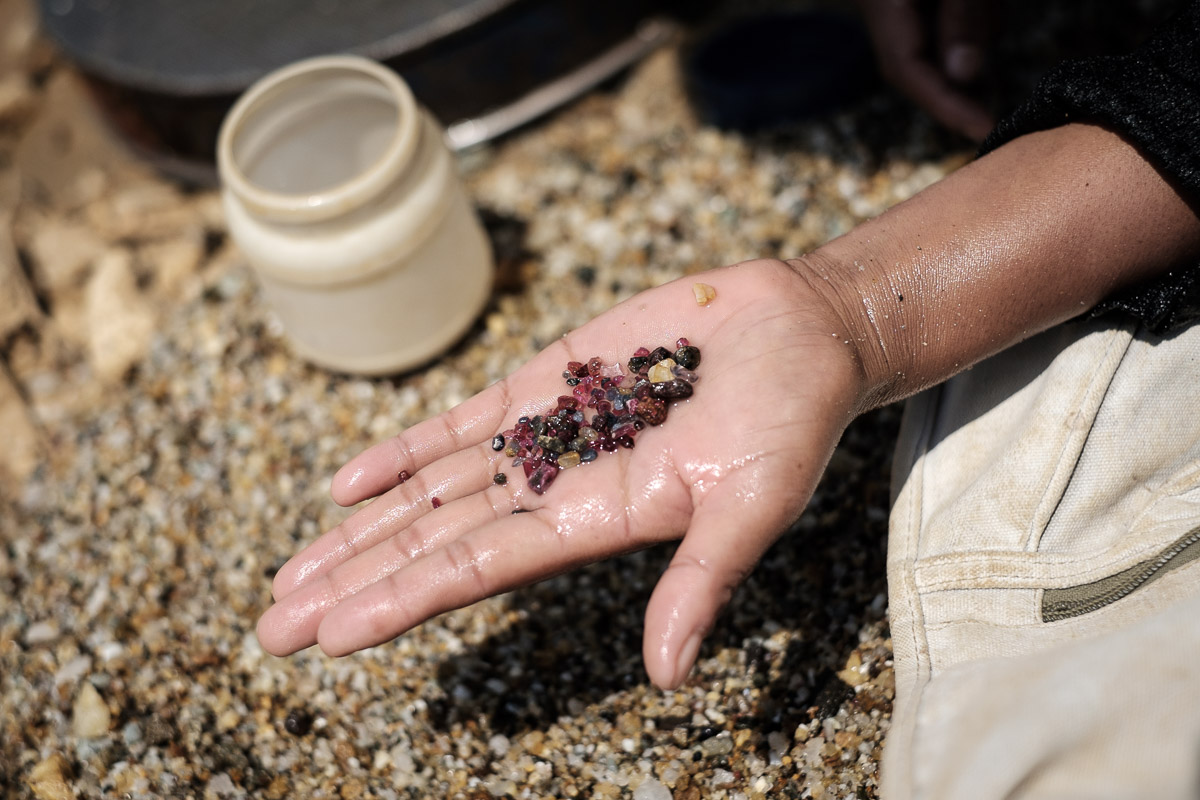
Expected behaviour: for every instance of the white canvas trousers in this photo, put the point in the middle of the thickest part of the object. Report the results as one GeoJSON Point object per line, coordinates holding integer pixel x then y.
{"type": "Point", "coordinates": [1043, 574]}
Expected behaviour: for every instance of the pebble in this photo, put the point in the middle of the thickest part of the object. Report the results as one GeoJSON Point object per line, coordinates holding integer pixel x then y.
{"type": "Point", "coordinates": [48, 779]}
{"type": "Point", "coordinates": [650, 789]}
{"type": "Point", "coordinates": [41, 633]}
{"type": "Point", "coordinates": [705, 294]}
{"type": "Point", "coordinates": [661, 372]}
{"type": "Point", "coordinates": [90, 717]}
{"type": "Point", "coordinates": [298, 722]}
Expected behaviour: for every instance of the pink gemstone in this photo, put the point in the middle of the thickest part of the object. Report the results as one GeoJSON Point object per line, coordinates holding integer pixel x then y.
{"type": "Point", "coordinates": [681, 342]}
{"type": "Point", "coordinates": [542, 477]}
{"type": "Point", "coordinates": [641, 352]}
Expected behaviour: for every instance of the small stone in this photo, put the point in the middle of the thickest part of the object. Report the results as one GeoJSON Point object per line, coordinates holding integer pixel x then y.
{"type": "Point", "coordinates": [704, 293]}
{"type": "Point", "coordinates": [436, 502]}
{"type": "Point", "coordinates": [588, 455]}
{"type": "Point", "coordinates": [551, 444]}
{"type": "Point", "coordinates": [650, 789]}
{"type": "Point", "coordinates": [498, 442]}
{"type": "Point", "coordinates": [719, 745]}
{"type": "Point", "coordinates": [637, 364]}
{"type": "Point", "coordinates": [661, 371]}
{"type": "Point", "coordinates": [403, 476]}
{"type": "Point", "coordinates": [652, 410]}
{"type": "Point", "coordinates": [671, 390]}
{"type": "Point", "coordinates": [48, 780]}
{"type": "Point", "coordinates": [569, 460]}
{"type": "Point", "coordinates": [723, 777]}
{"type": "Point", "coordinates": [90, 716]}
{"type": "Point", "coordinates": [658, 354]}
{"type": "Point", "coordinates": [131, 733]}
{"type": "Point", "coordinates": [541, 478]}
{"type": "Point", "coordinates": [687, 356]}
{"type": "Point", "coordinates": [499, 479]}
{"type": "Point", "coordinates": [298, 722]}
{"type": "Point", "coordinates": [41, 633]}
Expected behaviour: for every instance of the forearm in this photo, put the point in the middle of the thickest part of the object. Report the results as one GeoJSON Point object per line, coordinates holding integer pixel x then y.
{"type": "Point", "coordinates": [1026, 237]}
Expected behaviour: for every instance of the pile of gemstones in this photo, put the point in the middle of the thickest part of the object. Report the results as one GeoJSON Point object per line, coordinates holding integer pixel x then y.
{"type": "Point", "coordinates": [622, 404]}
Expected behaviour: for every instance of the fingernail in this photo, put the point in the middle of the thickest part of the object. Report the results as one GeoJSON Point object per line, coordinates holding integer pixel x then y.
{"type": "Point", "coordinates": [687, 657]}
{"type": "Point", "coordinates": [963, 62]}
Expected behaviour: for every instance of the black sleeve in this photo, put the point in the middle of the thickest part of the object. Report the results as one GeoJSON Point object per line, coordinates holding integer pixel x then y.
{"type": "Point", "coordinates": [1151, 97]}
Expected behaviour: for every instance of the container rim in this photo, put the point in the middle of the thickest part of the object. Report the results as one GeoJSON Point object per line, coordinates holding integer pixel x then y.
{"type": "Point", "coordinates": [338, 198]}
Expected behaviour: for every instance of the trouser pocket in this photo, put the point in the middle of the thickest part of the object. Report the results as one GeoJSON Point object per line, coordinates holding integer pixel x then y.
{"type": "Point", "coordinates": [1047, 509]}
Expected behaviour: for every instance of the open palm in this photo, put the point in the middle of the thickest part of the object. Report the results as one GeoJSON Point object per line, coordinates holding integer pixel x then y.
{"type": "Point", "coordinates": [729, 470]}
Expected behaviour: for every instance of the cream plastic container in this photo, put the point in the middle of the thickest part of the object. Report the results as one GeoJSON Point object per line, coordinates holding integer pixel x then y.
{"type": "Point", "coordinates": [340, 193]}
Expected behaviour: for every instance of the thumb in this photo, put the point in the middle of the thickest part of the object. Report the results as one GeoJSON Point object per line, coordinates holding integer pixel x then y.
{"type": "Point", "coordinates": [728, 534]}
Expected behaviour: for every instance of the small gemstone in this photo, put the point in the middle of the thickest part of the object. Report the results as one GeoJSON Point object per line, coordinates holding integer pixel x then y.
{"type": "Point", "coordinates": [638, 364]}
{"type": "Point", "coordinates": [658, 354]}
{"type": "Point", "coordinates": [551, 444]}
{"type": "Point", "coordinates": [588, 455]}
{"type": "Point", "coordinates": [569, 460]}
{"type": "Point", "coordinates": [572, 381]}
{"type": "Point", "coordinates": [528, 466]}
{"type": "Point", "coordinates": [573, 367]}
{"type": "Point", "coordinates": [661, 371]}
{"type": "Point", "coordinates": [687, 356]}
{"type": "Point", "coordinates": [652, 410]}
{"type": "Point", "coordinates": [625, 441]}
{"type": "Point", "coordinates": [594, 366]}
{"type": "Point", "coordinates": [641, 352]}
{"type": "Point", "coordinates": [498, 442]}
{"type": "Point", "coordinates": [681, 342]}
{"type": "Point", "coordinates": [671, 390]}
{"type": "Point", "coordinates": [499, 479]}
{"type": "Point", "coordinates": [436, 502]}
{"type": "Point", "coordinates": [403, 476]}
{"type": "Point", "coordinates": [704, 293]}
{"type": "Point", "coordinates": [512, 449]}
{"type": "Point", "coordinates": [685, 375]}
{"type": "Point", "coordinates": [542, 477]}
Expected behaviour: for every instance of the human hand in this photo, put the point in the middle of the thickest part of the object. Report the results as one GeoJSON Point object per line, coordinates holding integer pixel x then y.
{"type": "Point", "coordinates": [933, 58]}
{"type": "Point", "coordinates": [729, 470]}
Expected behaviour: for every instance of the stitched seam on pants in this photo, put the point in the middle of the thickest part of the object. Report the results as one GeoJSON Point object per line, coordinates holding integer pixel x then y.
{"type": "Point", "coordinates": [920, 640]}
{"type": "Point", "coordinates": [1022, 561]}
{"type": "Point", "coordinates": [1037, 529]}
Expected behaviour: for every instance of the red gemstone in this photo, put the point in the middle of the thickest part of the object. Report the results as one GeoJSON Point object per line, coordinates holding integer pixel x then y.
{"type": "Point", "coordinates": [403, 476]}
{"type": "Point", "coordinates": [436, 503]}
{"type": "Point", "coordinates": [542, 477]}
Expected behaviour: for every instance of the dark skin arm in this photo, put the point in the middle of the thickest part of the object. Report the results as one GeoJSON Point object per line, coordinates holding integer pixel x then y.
{"type": "Point", "coordinates": [1024, 238]}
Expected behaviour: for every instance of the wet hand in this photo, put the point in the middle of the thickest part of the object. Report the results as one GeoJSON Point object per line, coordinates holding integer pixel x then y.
{"type": "Point", "coordinates": [728, 471]}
